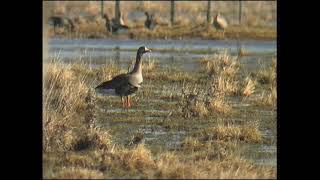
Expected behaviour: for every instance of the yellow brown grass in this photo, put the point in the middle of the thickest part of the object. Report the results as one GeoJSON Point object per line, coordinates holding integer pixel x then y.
{"type": "Point", "coordinates": [78, 173]}
{"type": "Point", "coordinates": [248, 87]}
{"type": "Point", "coordinates": [68, 103]}
{"type": "Point", "coordinates": [269, 97]}
{"type": "Point", "coordinates": [268, 75]}
{"type": "Point", "coordinates": [255, 23]}
{"type": "Point", "coordinates": [69, 126]}
{"type": "Point", "coordinates": [218, 104]}
{"type": "Point", "coordinates": [248, 132]}
{"type": "Point", "coordinates": [193, 102]}
{"type": "Point", "coordinates": [222, 69]}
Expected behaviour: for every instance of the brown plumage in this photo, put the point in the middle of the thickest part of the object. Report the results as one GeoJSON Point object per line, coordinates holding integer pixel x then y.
{"type": "Point", "coordinates": [150, 22]}
{"type": "Point", "coordinates": [124, 85]}
{"type": "Point", "coordinates": [220, 23]}
{"type": "Point", "coordinates": [114, 26]}
{"type": "Point", "coordinates": [61, 22]}
{"type": "Point", "coordinates": [121, 21]}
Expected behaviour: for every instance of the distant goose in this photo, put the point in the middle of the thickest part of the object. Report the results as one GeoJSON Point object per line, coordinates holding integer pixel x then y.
{"type": "Point", "coordinates": [109, 24]}
{"type": "Point", "coordinates": [61, 22]}
{"type": "Point", "coordinates": [121, 22]}
{"type": "Point", "coordinates": [150, 22]}
{"type": "Point", "coordinates": [220, 23]}
{"type": "Point", "coordinates": [114, 26]}
{"type": "Point", "coordinates": [124, 85]}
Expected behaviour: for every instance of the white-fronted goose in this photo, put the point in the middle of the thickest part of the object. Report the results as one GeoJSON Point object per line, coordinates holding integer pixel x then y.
{"type": "Point", "coordinates": [150, 22]}
{"type": "Point", "coordinates": [61, 22]}
{"type": "Point", "coordinates": [114, 26]}
{"type": "Point", "coordinates": [219, 22]}
{"type": "Point", "coordinates": [109, 24]}
{"type": "Point", "coordinates": [124, 85]}
{"type": "Point", "coordinates": [121, 22]}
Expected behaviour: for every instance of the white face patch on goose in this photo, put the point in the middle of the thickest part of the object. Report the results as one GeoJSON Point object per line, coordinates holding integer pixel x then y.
{"type": "Point", "coordinates": [146, 49]}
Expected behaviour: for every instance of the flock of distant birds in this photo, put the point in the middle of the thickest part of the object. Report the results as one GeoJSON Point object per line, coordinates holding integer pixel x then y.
{"type": "Point", "coordinates": [113, 25]}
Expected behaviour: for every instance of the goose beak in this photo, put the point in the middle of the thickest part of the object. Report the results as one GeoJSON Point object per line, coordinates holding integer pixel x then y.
{"type": "Point", "coordinates": [147, 50]}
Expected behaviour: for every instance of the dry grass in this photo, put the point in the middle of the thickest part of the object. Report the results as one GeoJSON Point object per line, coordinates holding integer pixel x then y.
{"type": "Point", "coordinates": [219, 105]}
{"type": "Point", "coordinates": [169, 166]}
{"type": "Point", "coordinates": [248, 132]}
{"type": "Point", "coordinates": [135, 160]}
{"type": "Point", "coordinates": [193, 102]}
{"type": "Point", "coordinates": [78, 173]}
{"type": "Point", "coordinates": [170, 76]}
{"type": "Point", "coordinates": [224, 79]}
{"type": "Point", "coordinates": [268, 75]}
{"type": "Point", "coordinates": [248, 87]}
{"type": "Point", "coordinates": [225, 85]}
{"type": "Point", "coordinates": [222, 64]}
{"type": "Point", "coordinates": [234, 168]}
{"type": "Point", "coordinates": [149, 65]}
{"type": "Point", "coordinates": [254, 13]}
{"type": "Point", "coordinates": [222, 69]}
{"type": "Point", "coordinates": [68, 103]}
{"type": "Point", "coordinates": [222, 72]}
{"type": "Point", "coordinates": [74, 147]}
{"type": "Point", "coordinates": [138, 31]}
{"type": "Point", "coordinates": [188, 18]}
{"type": "Point", "coordinates": [269, 97]}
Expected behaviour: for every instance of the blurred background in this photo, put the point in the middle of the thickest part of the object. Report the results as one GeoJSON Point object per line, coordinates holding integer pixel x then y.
{"type": "Point", "coordinates": [183, 29]}
{"type": "Point", "coordinates": [87, 16]}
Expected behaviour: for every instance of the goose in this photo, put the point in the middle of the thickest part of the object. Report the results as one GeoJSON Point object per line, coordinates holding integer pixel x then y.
{"type": "Point", "coordinates": [124, 85]}
{"type": "Point", "coordinates": [220, 23]}
{"type": "Point", "coordinates": [150, 22]}
{"type": "Point", "coordinates": [114, 26]}
{"type": "Point", "coordinates": [61, 22]}
{"type": "Point", "coordinates": [109, 24]}
{"type": "Point", "coordinates": [121, 22]}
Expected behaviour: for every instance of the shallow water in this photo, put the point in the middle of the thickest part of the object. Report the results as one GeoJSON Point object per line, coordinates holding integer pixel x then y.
{"type": "Point", "coordinates": [102, 50]}
{"type": "Point", "coordinates": [184, 54]}
{"type": "Point", "coordinates": [190, 44]}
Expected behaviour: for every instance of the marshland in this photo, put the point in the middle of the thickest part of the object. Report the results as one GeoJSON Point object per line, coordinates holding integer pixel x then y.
{"type": "Point", "coordinates": [207, 107]}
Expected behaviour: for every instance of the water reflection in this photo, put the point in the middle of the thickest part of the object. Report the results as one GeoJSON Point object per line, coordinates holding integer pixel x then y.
{"type": "Point", "coordinates": [181, 52]}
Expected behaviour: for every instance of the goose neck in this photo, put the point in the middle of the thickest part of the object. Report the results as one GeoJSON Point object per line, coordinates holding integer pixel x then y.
{"type": "Point", "coordinates": [138, 65]}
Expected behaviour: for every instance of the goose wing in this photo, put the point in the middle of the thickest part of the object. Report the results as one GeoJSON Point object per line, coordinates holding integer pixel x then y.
{"type": "Point", "coordinates": [115, 82]}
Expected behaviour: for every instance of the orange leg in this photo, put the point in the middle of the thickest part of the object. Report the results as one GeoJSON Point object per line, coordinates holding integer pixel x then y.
{"type": "Point", "coordinates": [129, 98]}
{"type": "Point", "coordinates": [124, 102]}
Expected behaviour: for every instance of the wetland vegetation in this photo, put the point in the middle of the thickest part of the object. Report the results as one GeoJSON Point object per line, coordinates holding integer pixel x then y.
{"type": "Point", "coordinates": [207, 107]}
{"type": "Point", "coordinates": [183, 124]}
{"type": "Point", "coordinates": [258, 20]}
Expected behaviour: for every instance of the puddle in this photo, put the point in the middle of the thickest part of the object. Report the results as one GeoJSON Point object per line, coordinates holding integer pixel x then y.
{"type": "Point", "coordinates": [261, 154]}
{"type": "Point", "coordinates": [184, 55]}
{"type": "Point", "coordinates": [100, 51]}
{"type": "Point", "coordinates": [159, 136]}
{"type": "Point", "coordinates": [121, 110]}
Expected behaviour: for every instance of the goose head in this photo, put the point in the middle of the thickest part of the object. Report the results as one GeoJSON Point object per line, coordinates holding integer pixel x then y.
{"type": "Point", "coordinates": [143, 49]}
